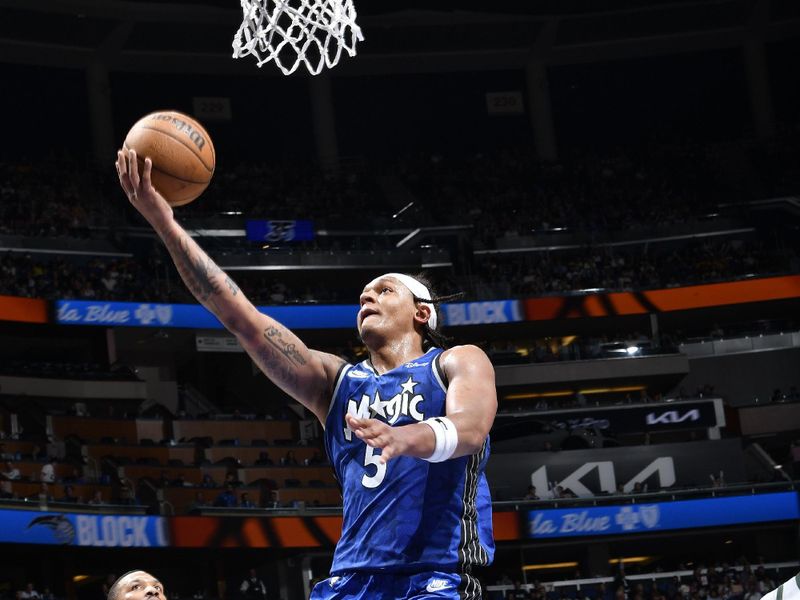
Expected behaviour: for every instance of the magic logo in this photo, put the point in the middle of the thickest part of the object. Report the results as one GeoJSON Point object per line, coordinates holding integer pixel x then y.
{"type": "Point", "coordinates": [404, 403]}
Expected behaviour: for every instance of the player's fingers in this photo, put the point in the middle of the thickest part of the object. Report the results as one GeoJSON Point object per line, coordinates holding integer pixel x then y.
{"type": "Point", "coordinates": [352, 422]}
{"type": "Point", "coordinates": [122, 171]}
{"type": "Point", "coordinates": [120, 163]}
{"type": "Point", "coordinates": [357, 424]}
{"type": "Point", "coordinates": [133, 165]}
{"type": "Point", "coordinates": [146, 173]}
{"type": "Point", "coordinates": [383, 440]}
{"type": "Point", "coordinates": [370, 431]}
{"type": "Point", "coordinates": [386, 455]}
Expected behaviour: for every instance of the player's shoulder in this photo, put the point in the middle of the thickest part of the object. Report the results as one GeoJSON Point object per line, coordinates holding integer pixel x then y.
{"type": "Point", "coordinates": [466, 351]}
{"type": "Point", "coordinates": [466, 356]}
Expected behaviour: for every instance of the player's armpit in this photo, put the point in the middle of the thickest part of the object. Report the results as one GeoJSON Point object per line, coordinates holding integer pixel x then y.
{"type": "Point", "coordinates": [471, 396]}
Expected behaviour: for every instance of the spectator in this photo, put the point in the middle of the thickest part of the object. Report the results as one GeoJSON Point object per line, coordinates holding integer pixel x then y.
{"type": "Point", "coordinates": [245, 502]}
{"type": "Point", "coordinates": [208, 482]}
{"type": "Point", "coordinates": [97, 498]}
{"type": "Point", "coordinates": [289, 460]}
{"type": "Point", "coordinates": [29, 593]}
{"type": "Point", "coordinates": [69, 495]}
{"type": "Point", "coordinates": [48, 472]}
{"type": "Point", "coordinates": [226, 498]}
{"type": "Point", "coordinates": [531, 494]}
{"type": "Point", "coordinates": [12, 472]}
{"type": "Point", "coordinates": [253, 587]}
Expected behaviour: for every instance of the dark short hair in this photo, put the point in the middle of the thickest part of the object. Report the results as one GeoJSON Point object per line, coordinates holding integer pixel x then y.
{"type": "Point", "coordinates": [113, 591]}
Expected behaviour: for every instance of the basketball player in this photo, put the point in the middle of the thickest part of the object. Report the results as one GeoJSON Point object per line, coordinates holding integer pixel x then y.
{"type": "Point", "coordinates": [406, 430]}
{"type": "Point", "coordinates": [136, 585]}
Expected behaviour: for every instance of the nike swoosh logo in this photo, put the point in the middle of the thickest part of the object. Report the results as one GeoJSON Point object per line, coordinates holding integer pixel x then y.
{"type": "Point", "coordinates": [437, 585]}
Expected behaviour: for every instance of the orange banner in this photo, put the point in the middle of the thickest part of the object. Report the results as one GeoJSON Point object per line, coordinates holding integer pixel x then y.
{"type": "Point", "coordinates": [286, 532]}
{"type": "Point", "coordinates": [27, 310]}
{"type": "Point", "coordinates": [665, 300]}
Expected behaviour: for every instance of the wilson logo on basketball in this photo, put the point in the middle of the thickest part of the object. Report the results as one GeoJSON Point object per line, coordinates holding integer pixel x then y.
{"type": "Point", "coordinates": [184, 127]}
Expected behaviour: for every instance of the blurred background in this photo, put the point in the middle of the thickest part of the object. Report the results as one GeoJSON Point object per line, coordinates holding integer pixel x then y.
{"type": "Point", "coordinates": [613, 185]}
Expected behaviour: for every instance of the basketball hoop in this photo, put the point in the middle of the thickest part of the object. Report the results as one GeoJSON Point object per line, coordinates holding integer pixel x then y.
{"type": "Point", "coordinates": [291, 32]}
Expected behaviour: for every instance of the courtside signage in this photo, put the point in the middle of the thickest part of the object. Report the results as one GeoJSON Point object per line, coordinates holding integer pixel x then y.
{"type": "Point", "coordinates": [662, 516]}
{"type": "Point", "coordinates": [73, 529]}
{"type": "Point", "coordinates": [133, 314]}
{"type": "Point", "coordinates": [323, 316]}
{"type": "Point", "coordinates": [481, 313]}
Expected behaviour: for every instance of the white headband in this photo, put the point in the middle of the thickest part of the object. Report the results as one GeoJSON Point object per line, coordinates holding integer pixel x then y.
{"type": "Point", "coordinates": [419, 290]}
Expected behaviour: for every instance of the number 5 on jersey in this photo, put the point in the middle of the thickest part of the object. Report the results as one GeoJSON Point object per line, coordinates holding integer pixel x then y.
{"type": "Point", "coordinates": [371, 458]}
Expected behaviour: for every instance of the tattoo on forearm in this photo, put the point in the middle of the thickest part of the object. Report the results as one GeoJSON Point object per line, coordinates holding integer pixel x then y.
{"type": "Point", "coordinates": [232, 285]}
{"type": "Point", "coordinates": [199, 272]}
{"type": "Point", "coordinates": [275, 337]}
{"type": "Point", "coordinates": [276, 368]}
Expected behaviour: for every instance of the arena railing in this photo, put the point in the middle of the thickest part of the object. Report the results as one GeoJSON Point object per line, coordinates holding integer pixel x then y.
{"type": "Point", "coordinates": [654, 576]}
{"type": "Point", "coordinates": [668, 495]}
{"type": "Point", "coordinates": [516, 505]}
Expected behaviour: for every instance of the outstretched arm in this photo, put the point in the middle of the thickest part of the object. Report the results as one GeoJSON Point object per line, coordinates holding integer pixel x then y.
{"type": "Point", "coordinates": [306, 375]}
{"type": "Point", "coordinates": [471, 406]}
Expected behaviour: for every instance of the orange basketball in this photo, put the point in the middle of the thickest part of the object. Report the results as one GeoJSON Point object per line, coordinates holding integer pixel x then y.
{"type": "Point", "coordinates": [181, 150]}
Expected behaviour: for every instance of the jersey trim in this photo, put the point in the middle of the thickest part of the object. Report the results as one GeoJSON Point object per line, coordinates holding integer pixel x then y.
{"type": "Point", "coordinates": [339, 378]}
{"type": "Point", "coordinates": [470, 550]}
{"type": "Point", "coordinates": [469, 588]}
{"type": "Point", "coordinates": [438, 372]}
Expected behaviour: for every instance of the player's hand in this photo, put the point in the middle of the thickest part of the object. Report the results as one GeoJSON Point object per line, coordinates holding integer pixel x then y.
{"type": "Point", "coordinates": [393, 441]}
{"type": "Point", "coordinates": [139, 188]}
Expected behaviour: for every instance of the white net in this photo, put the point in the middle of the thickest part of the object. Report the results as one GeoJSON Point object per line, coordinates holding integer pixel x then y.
{"type": "Point", "coordinates": [294, 32]}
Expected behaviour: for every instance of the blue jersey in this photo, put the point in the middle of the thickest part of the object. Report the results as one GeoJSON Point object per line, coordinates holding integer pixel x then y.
{"type": "Point", "coordinates": [408, 515]}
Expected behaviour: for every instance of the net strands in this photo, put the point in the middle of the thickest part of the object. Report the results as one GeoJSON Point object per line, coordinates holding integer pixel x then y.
{"type": "Point", "coordinates": [294, 32]}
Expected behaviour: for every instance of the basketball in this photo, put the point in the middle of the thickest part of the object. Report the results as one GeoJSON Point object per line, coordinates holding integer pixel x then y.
{"type": "Point", "coordinates": [181, 150]}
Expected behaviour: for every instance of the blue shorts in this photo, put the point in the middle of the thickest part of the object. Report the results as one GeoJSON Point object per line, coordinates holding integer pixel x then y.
{"type": "Point", "coordinates": [388, 586]}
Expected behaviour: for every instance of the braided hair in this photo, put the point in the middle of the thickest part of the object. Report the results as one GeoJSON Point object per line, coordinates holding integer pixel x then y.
{"type": "Point", "coordinates": [434, 337]}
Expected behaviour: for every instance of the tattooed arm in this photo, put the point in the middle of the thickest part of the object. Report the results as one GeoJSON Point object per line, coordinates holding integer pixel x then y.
{"type": "Point", "coordinates": [306, 375]}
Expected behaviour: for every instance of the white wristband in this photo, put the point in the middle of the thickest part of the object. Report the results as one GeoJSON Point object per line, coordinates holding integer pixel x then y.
{"type": "Point", "coordinates": [446, 438]}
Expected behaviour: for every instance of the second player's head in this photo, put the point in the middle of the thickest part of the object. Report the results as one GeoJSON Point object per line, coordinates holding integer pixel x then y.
{"type": "Point", "coordinates": [395, 308]}
{"type": "Point", "coordinates": [137, 585]}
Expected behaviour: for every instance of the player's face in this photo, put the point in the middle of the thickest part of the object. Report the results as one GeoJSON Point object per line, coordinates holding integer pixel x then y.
{"type": "Point", "coordinates": [387, 309]}
{"type": "Point", "coordinates": [140, 585]}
